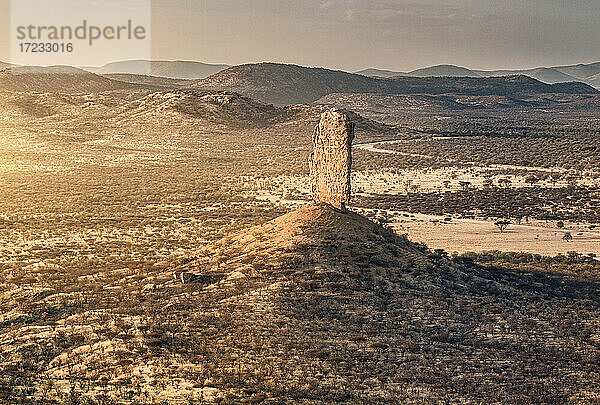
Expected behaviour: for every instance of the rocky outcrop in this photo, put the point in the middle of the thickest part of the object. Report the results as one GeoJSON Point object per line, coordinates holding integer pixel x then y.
{"type": "Point", "coordinates": [331, 160]}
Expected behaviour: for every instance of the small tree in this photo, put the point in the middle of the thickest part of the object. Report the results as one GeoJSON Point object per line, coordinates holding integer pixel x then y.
{"type": "Point", "coordinates": [571, 184]}
{"type": "Point", "coordinates": [531, 180]}
{"type": "Point", "coordinates": [505, 182]}
{"type": "Point", "coordinates": [502, 225]}
{"type": "Point", "coordinates": [441, 252]}
{"type": "Point", "coordinates": [567, 237]}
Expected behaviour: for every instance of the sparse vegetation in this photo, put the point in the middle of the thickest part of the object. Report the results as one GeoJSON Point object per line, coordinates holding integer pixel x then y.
{"type": "Point", "coordinates": [502, 225]}
{"type": "Point", "coordinates": [126, 274]}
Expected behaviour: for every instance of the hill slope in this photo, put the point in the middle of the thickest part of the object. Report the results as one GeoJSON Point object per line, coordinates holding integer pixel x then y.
{"type": "Point", "coordinates": [170, 69]}
{"type": "Point", "coordinates": [214, 108]}
{"type": "Point", "coordinates": [513, 86]}
{"type": "Point", "coordinates": [334, 298]}
{"type": "Point", "coordinates": [314, 307]}
{"type": "Point", "coordinates": [595, 81]}
{"type": "Point", "coordinates": [59, 79]}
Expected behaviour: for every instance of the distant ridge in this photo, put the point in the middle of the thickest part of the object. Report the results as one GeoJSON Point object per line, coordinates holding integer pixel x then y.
{"type": "Point", "coordinates": [581, 71]}
{"type": "Point", "coordinates": [546, 75]}
{"type": "Point", "coordinates": [379, 73]}
{"type": "Point", "coordinates": [50, 70]}
{"type": "Point", "coordinates": [432, 71]}
{"type": "Point", "coordinates": [282, 84]}
{"type": "Point", "coordinates": [169, 69]}
{"type": "Point", "coordinates": [445, 71]}
{"type": "Point", "coordinates": [585, 73]}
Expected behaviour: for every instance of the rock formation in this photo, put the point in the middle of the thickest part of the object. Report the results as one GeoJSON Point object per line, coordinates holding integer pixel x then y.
{"type": "Point", "coordinates": [331, 160]}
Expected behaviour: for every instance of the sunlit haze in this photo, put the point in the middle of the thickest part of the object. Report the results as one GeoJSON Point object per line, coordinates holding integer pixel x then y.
{"type": "Point", "coordinates": [356, 34]}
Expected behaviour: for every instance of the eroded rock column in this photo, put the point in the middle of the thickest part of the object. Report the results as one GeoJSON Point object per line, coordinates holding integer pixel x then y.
{"type": "Point", "coordinates": [331, 160]}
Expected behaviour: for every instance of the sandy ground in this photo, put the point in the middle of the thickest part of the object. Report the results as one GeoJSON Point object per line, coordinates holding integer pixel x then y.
{"type": "Point", "coordinates": [463, 235]}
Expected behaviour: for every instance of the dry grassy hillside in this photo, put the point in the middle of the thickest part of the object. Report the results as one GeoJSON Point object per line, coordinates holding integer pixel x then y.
{"type": "Point", "coordinates": [59, 79]}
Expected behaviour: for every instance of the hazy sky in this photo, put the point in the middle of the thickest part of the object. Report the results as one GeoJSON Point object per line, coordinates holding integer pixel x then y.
{"type": "Point", "coordinates": [355, 34]}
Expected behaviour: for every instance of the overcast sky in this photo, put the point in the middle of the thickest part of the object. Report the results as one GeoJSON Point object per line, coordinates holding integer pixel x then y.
{"type": "Point", "coordinates": [391, 34]}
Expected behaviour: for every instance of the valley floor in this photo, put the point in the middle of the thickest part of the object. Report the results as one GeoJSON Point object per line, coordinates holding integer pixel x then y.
{"type": "Point", "coordinates": [124, 275]}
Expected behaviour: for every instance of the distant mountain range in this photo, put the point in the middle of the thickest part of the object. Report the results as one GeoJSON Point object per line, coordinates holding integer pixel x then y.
{"type": "Point", "coordinates": [169, 69]}
{"type": "Point", "coordinates": [291, 84]}
{"type": "Point", "coordinates": [191, 70]}
{"type": "Point", "coordinates": [585, 73]}
{"type": "Point", "coordinates": [281, 84]}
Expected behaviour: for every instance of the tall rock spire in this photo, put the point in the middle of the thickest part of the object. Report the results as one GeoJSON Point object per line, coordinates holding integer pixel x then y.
{"type": "Point", "coordinates": [331, 160]}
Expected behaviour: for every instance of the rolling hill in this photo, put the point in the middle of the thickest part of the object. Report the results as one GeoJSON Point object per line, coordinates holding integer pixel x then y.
{"type": "Point", "coordinates": [432, 71]}
{"type": "Point", "coordinates": [169, 69]}
{"type": "Point", "coordinates": [215, 108]}
{"type": "Point", "coordinates": [589, 73]}
{"type": "Point", "coordinates": [594, 81]}
{"type": "Point", "coordinates": [291, 84]}
{"type": "Point", "coordinates": [284, 84]}
{"type": "Point", "coordinates": [443, 71]}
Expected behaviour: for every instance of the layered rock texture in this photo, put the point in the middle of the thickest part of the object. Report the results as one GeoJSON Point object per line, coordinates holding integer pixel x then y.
{"type": "Point", "coordinates": [331, 160]}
